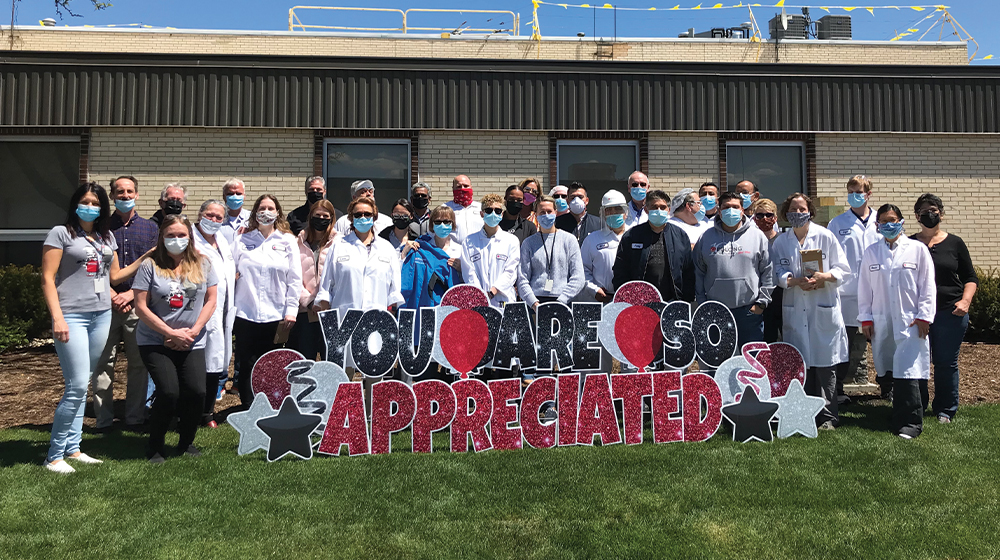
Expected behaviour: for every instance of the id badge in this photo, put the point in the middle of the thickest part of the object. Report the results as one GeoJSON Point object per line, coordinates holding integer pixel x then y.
{"type": "Point", "coordinates": [98, 285]}
{"type": "Point", "coordinates": [548, 285]}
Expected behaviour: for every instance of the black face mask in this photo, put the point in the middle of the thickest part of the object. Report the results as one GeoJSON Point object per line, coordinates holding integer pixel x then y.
{"type": "Point", "coordinates": [401, 223]}
{"type": "Point", "coordinates": [514, 207]}
{"type": "Point", "coordinates": [173, 207]}
{"type": "Point", "coordinates": [319, 224]}
{"type": "Point", "coordinates": [420, 201]}
{"type": "Point", "coordinates": [313, 197]}
{"type": "Point", "coordinates": [930, 219]}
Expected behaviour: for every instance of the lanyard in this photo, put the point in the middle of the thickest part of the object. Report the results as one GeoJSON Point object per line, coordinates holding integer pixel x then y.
{"type": "Point", "coordinates": [548, 258]}
{"type": "Point", "coordinates": [98, 248]}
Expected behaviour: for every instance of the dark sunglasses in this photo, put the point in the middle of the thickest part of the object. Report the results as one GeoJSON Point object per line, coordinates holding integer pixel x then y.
{"type": "Point", "coordinates": [637, 184]}
{"type": "Point", "coordinates": [492, 210]}
{"type": "Point", "coordinates": [442, 222]}
{"type": "Point", "coordinates": [359, 215]}
{"type": "Point", "coordinates": [558, 196]}
{"type": "Point", "coordinates": [420, 196]}
{"type": "Point", "coordinates": [764, 215]}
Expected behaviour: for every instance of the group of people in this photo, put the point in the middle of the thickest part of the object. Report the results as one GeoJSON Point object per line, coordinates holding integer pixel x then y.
{"type": "Point", "coordinates": [187, 295]}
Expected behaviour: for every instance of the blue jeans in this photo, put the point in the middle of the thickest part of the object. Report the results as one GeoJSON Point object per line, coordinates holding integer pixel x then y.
{"type": "Point", "coordinates": [749, 326]}
{"type": "Point", "coordinates": [78, 357]}
{"type": "Point", "coordinates": [947, 332]}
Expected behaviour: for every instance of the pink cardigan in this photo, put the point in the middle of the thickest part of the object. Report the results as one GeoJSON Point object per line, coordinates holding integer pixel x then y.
{"type": "Point", "coordinates": [311, 270]}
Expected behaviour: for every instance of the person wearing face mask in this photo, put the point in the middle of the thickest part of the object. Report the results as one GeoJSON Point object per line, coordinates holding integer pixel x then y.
{"type": "Point", "coordinates": [638, 185]}
{"type": "Point", "coordinates": [468, 213]}
{"type": "Point", "coordinates": [491, 257]}
{"type": "Point", "coordinates": [268, 286]}
{"type": "Point", "coordinates": [955, 283]}
{"type": "Point", "coordinates": [577, 221]}
{"type": "Point", "coordinates": [600, 248]}
{"type": "Point", "coordinates": [531, 188]}
{"type": "Point", "coordinates": [315, 242]}
{"type": "Point", "coordinates": [733, 266]}
{"type": "Point", "coordinates": [135, 236]}
{"type": "Point", "coordinates": [219, 330]}
{"type": "Point", "coordinates": [176, 296]}
{"type": "Point", "coordinates": [402, 224]}
{"type": "Point", "coordinates": [856, 230]}
{"type": "Point", "coordinates": [812, 319]}
{"type": "Point", "coordinates": [688, 214]}
{"type": "Point", "coordinates": [362, 189]}
{"type": "Point", "coordinates": [709, 194]}
{"type": "Point", "coordinates": [765, 214]}
{"type": "Point", "coordinates": [560, 193]}
{"type": "Point", "coordinates": [79, 265]}
{"type": "Point", "coordinates": [173, 200]}
{"type": "Point", "coordinates": [420, 202]}
{"type": "Point", "coordinates": [551, 267]}
{"type": "Point", "coordinates": [657, 252]}
{"type": "Point", "coordinates": [233, 192]}
{"type": "Point", "coordinates": [513, 220]}
{"type": "Point", "coordinates": [896, 306]}
{"type": "Point", "coordinates": [298, 219]}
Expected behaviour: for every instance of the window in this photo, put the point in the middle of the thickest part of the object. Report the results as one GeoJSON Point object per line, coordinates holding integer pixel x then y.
{"type": "Point", "coordinates": [38, 178]}
{"type": "Point", "coordinates": [386, 162]}
{"type": "Point", "coordinates": [777, 168]}
{"type": "Point", "coordinates": [601, 165]}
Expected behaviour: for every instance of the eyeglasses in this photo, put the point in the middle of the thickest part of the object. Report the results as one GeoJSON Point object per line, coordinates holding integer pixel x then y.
{"type": "Point", "coordinates": [492, 210]}
{"type": "Point", "coordinates": [359, 215]}
{"type": "Point", "coordinates": [442, 222]}
{"type": "Point", "coordinates": [558, 196]}
{"type": "Point", "coordinates": [638, 184]}
{"type": "Point", "coordinates": [400, 217]}
{"type": "Point", "coordinates": [764, 215]}
{"type": "Point", "coordinates": [420, 196]}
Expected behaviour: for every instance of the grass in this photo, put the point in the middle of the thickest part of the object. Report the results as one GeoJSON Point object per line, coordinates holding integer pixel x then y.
{"type": "Point", "coordinates": [856, 492]}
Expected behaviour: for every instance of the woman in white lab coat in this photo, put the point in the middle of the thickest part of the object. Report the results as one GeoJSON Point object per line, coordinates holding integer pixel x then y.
{"type": "Point", "coordinates": [811, 315]}
{"type": "Point", "coordinates": [491, 257]}
{"type": "Point", "coordinates": [219, 330]}
{"type": "Point", "coordinates": [896, 306]}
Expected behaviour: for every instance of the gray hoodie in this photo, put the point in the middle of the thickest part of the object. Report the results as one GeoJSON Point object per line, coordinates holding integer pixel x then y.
{"type": "Point", "coordinates": [733, 268]}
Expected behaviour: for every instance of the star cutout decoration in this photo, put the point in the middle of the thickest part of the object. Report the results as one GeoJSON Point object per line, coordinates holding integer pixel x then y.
{"type": "Point", "coordinates": [750, 417]}
{"type": "Point", "coordinates": [797, 412]}
{"type": "Point", "coordinates": [289, 431]}
{"type": "Point", "coordinates": [245, 424]}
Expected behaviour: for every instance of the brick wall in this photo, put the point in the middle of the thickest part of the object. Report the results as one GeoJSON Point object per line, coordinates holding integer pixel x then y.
{"type": "Point", "coordinates": [682, 160]}
{"type": "Point", "coordinates": [275, 161]}
{"type": "Point", "coordinates": [963, 170]}
{"type": "Point", "coordinates": [289, 43]}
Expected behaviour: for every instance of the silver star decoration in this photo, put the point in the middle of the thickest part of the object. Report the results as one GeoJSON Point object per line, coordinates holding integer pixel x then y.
{"type": "Point", "coordinates": [252, 438]}
{"type": "Point", "coordinates": [797, 412]}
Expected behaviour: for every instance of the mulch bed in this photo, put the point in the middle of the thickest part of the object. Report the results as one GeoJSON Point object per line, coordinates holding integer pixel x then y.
{"type": "Point", "coordinates": [31, 384]}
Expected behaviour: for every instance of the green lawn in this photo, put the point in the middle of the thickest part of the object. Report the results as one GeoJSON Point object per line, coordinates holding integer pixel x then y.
{"type": "Point", "coordinates": [855, 492]}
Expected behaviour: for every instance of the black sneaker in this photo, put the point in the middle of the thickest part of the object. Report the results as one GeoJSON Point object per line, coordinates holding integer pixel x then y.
{"type": "Point", "coordinates": [191, 451]}
{"type": "Point", "coordinates": [157, 459]}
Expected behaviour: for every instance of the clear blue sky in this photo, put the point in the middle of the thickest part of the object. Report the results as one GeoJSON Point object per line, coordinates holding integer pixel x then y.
{"type": "Point", "coordinates": [978, 17]}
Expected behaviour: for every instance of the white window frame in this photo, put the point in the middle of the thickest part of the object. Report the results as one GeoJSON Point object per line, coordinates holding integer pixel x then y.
{"type": "Point", "coordinates": [802, 155]}
{"type": "Point", "coordinates": [409, 153]}
{"type": "Point", "coordinates": [594, 142]}
{"type": "Point", "coordinates": [7, 235]}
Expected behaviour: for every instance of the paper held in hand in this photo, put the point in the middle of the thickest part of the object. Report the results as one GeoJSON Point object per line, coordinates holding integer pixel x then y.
{"type": "Point", "coordinates": [812, 261]}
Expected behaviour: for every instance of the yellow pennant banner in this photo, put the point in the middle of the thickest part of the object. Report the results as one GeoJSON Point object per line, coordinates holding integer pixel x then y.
{"type": "Point", "coordinates": [720, 6]}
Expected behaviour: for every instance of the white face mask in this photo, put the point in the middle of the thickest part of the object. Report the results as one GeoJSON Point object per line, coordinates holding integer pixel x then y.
{"type": "Point", "coordinates": [577, 206]}
{"type": "Point", "coordinates": [208, 227]}
{"type": "Point", "coordinates": [266, 217]}
{"type": "Point", "coordinates": [175, 245]}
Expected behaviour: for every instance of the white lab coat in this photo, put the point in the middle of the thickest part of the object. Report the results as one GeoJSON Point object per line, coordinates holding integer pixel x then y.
{"type": "Point", "coordinates": [895, 287]}
{"type": "Point", "coordinates": [468, 219]}
{"type": "Point", "coordinates": [854, 238]}
{"type": "Point", "coordinates": [343, 224]}
{"type": "Point", "coordinates": [270, 276]}
{"type": "Point", "coordinates": [598, 253]}
{"type": "Point", "coordinates": [635, 217]}
{"type": "Point", "coordinates": [219, 330]}
{"type": "Point", "coordinates": [356, 278]}
{"type": "Point", "coordinates": [492, 261]}
{"type": "Point", "coordinates": [812, 320]}
{"type": "Point", "coordinates": [230, 225]}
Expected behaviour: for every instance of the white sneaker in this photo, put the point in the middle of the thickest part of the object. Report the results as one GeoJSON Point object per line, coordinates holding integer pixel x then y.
{"type": "Point", "coordinates": [906, 436]}
{"type": "Point", "coordinates": [61, 467]}
{"type": "Point", "coordinates": [84, 458]}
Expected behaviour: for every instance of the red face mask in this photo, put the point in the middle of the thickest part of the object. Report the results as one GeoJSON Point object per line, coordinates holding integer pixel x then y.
{"type": "Point", "coordinates": [463, 196]}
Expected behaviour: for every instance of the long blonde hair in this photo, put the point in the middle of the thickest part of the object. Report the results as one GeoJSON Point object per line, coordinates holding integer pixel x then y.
{"type": "Point", "coordinates": [280, 224]}
{"type": "Point", "coordinates": [192, 262]}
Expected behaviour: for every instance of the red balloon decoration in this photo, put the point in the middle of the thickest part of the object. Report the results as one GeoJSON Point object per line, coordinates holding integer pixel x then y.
{"type": "Point", "coordinates": [783, 363]}
{"type": "Point", "coordinates": [637, 331]}
{"type": "Point", "coordinates": [464, 338]}
{"type": "Point", "coordinates": [465, 296]}
{"type": "Point", "coordinates": [270, 377]}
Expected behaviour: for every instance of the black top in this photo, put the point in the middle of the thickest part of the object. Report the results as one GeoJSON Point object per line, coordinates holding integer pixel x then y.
{"type": "Point", "coordinates": [587, 225]}
{"type": "Point", "coordinates": [520, 228]}
{"type": "Point", "coordinates": [638, 258]}
{"type": "Point", "coordinates": [657, 266]}
{"type": "Point", "coordinates": [298, 219]}
{"type": "Point", "coordinates": [952, 270]}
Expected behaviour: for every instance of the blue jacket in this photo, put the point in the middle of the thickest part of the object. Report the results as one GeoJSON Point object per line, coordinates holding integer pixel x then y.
{"type": "Point", "coordinates": [426, 276]}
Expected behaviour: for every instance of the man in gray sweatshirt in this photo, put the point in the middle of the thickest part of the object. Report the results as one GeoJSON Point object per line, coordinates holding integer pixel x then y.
{"type": "Point", "coordinates": [732, 266]}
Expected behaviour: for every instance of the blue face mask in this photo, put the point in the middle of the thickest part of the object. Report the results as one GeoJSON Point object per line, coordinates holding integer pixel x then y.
{"type": "Point", "coordinates": [442, 230]}
{"type": "Point", "coordinates": [125, 206]}
{"type": "Point", "coordinates": [638, 193]}
{"type": "Point", "coordinates": [891, 230]}
{"type": "Point", "coordinates": [856, 199]}
{"type": "Point", "coordinates": [362, 225]}
{"type": "Point", "coordinates": [747, 199]}
{"type": "Point", "coordinates": [88, 213]}
{"type": "Point", "coordinates": [700, 214]}
{"type": "Point", "coordinates": [234, 201]}
{"type": "Point", "coordinates": [708, 202]}
{"type": "Point", "coordinates": [492, 219]}
{"type": "Point", "coordinates": [546, 221]}
{"type": "Point", "coordinates": [615, 221]}
{"type": "Point", "coordinates": [658, 217]}
{"type": "Point", "coordinates": [730, 216]}
{"type": "Point", "coordinates": [561, 205]}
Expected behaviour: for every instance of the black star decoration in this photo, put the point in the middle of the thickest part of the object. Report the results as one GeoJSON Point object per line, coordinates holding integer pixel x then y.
{"type": "Point", "coordinates": [289, 431]}
{"type": "Point", "coordinates": [750, 417]}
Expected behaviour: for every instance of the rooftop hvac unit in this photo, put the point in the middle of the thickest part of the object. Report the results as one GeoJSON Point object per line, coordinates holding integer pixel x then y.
{"type": "Point", "coordinates": [797, 27]}
{"type": "Point", "coordinates": [834, 27]}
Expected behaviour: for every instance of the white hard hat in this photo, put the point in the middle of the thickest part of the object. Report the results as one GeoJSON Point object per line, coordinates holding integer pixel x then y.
{"type": "Point", "coordinates": [613, 198]}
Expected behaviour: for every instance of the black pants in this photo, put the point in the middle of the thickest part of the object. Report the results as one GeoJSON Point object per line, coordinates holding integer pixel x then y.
{"type": "Point", "coordinates": [211, 388]}
{"type": "Point", "coordinates": [179, 376]}
{"type": "Point", "coordinates": [255, 340]}
{"type": "Point", "coordinates": [822, 382]}
{"type": "Point", "coordinates": [307, 338]}
{"type": "Point", "coordinates": [772, 317]}
{"type": "Point", "coordinates": [907, 407]}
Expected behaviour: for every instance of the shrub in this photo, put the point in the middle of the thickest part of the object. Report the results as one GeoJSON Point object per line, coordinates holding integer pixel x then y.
{"type": "Point", "coordinates": [23, 314]}
{"type": "Point", "coordinates": [984, 313]}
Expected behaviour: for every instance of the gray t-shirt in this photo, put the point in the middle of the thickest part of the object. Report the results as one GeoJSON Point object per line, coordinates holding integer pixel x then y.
{"type": "Point", "coordinates": [176, 301]}
{"type": "Point", "coordinates": [83, 279]}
